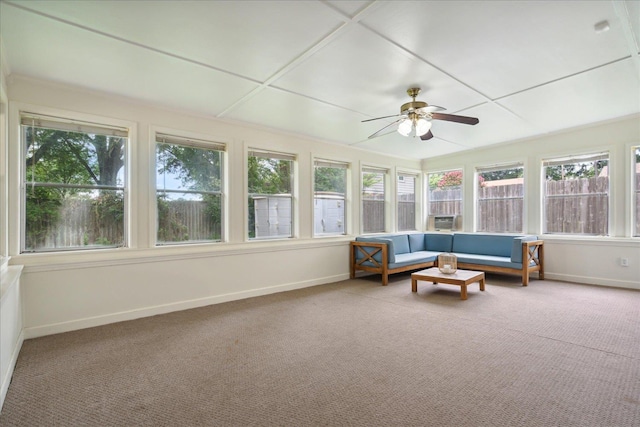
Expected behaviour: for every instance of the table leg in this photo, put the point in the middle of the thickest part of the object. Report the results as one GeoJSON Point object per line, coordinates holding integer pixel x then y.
{"type": "Point", "coordinates": [463, 291]}
{"type": "Point", "coordinates": [482, 284]}
{"type": "Point", "coordinates": [414, 285]}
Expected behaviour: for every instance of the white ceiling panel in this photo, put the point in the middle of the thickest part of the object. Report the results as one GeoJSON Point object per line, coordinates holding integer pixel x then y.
{"type": "Point", "coordinates": [496, 125]}
{"type": "Point", "coordinates": [253, 39]}
{"type": "Point", "coordinates": [119, 68]}
{"type": "Point", "coordinates": [349, 8]}
{"type": "Point", "coordinates": [396, 145]}
{"type": "Point", "coordinates": [279, 109]}
{"type": "Point", "coordinates": [319, 67]}
{"type": "Point", "coordinates": [358, 67]}
{"type": "Point", "coordinates": [502, 47]}
{"type": "Point", "coordinates": [597, 95]}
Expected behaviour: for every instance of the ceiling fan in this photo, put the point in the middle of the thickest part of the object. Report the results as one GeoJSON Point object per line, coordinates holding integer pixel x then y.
{"type": "Point", "coordinates": [415, 118]}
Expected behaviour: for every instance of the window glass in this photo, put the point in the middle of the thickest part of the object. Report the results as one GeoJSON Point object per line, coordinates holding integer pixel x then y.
{"type": "Point", "coordinates": [73, 190]}
{"type": "Point", "coordinates": [576, 195]}
{"type": "Point", "coordinates": [636, 190]}
{"type": "Point", "coordinates": [188, 190]}
{"type": "Point", "coordinates": [330, 184]}
{"type": "Point", "coordinates": [500, 199]}
{"type": "Point", "coordinates": [406, 202]}
{"type": "Point", "coordinates": [270, 180]}
{"type": "Point", "coordinates": [445, 193]}
{"type": "Point", "coordinates": [373, 200]}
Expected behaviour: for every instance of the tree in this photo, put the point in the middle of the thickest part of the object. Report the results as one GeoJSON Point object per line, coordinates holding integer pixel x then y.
{"type": "Point", "coordinates": [198, 169]}
{"type": "Point", "coordinates": [330, 179]}
{"type": "Point", "coordinates": [58, 164]}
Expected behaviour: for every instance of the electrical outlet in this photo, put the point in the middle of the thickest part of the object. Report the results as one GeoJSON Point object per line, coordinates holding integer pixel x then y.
{"type": "Point", "coordinates": [624, 262]}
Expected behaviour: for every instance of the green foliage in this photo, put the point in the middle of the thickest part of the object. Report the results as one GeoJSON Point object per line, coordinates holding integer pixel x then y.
{"type": "Point", "coordinates": [198, 169]}
{"type": "Point", "coordinates": [330, 179]}
{"type": "Point", "coordinates": [370, 179]}
{"type": "Point", "coordinates": [269, 176]}
{"type": "Point", "coordinates": [575, 170]}
{"type": "Point", "coordinates": [502, 174]}
{"type": "Point", "coordinates": [170, 226]}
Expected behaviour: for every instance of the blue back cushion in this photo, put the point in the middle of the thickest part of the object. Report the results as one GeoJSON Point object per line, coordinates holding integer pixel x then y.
{"type": "Point", "coordinates": [516, 248]}
{"type": "Point", "coordinates": [483, 244]}
{"type": "Point", "coordinates": [401, 243]}
{"type": "Point", "coordinates": [438, 242]}
{"type": "Point", "coordinates": [417, 242]}
{"type": "Point", "coordinates": [382, 239]}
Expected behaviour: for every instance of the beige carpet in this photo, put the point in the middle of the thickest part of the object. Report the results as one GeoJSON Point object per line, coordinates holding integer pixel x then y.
{"type": "Point", "coordinates": [352, 353]}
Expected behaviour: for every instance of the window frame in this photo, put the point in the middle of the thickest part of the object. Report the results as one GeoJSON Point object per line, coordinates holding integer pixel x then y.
{"type": "Point", "coordinates": [48, 118]}
{"type": "Point", "coordinates": [460, 212]}
{"type": "Point", "coordinates": [572, 160]}
{"type": "Point", "coordinates": [385, 171]}
{"type": "Point", "coordinates": [416, 199]}
{"type": "Point", "coordinates": [276, 155]}
{"type": "Point", "coordinates": [635, 191]}
{"type": "Point", "coordinates": [327, 163]}
{"type": "Point", "coordinates": [198, 143]}
{"type": "Point", "coordinates": [479, 170]}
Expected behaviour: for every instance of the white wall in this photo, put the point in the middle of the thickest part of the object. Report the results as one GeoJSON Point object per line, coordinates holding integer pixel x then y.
{"type": "Point", "coordinates": [592, 260]}
{"type": "Point", "coordinates": [67, 291]}
{"type": "Point", "coordinates": [11, 336]}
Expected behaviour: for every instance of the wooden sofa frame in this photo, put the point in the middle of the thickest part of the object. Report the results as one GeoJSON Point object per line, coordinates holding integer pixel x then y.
{"type": "Point", "coordinates": [532, 252]}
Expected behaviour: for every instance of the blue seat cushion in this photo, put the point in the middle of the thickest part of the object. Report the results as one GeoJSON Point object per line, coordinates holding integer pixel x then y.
{"type": "Point", "coordinates": [495, 261]}
{"type": "Point", "coordinates": [402, 260]}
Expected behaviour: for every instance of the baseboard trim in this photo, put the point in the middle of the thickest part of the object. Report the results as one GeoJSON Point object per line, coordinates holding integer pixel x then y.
{"type": "Point", "coordinates": [91, 322]}
{"type": "Point", "coordinates": [600, 281]}
{"type": "Point", "coordinates": [12, 365]}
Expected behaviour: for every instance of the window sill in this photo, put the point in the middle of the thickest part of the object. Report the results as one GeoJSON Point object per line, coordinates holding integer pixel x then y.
{"type": "Point", "coordinates": [39, 262]}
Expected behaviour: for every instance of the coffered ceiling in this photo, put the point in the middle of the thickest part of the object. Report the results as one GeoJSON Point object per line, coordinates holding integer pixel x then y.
{"type": "Point", "coordinates": [318, 68]}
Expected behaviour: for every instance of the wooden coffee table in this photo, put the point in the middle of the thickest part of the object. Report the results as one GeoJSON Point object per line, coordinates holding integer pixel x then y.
{"type": "Point", "coordinates": [461, 278]}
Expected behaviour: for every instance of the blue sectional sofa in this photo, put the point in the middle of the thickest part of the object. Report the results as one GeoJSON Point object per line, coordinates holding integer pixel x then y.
{"type": "Point", "coordinates": [501, 253]}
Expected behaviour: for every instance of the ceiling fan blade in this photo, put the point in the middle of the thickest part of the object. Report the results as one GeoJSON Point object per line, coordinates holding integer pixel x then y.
{"type": "Point", "coordinates": [378, 118]}
{"type": "Point", "coordinates": [431, 109]}
{"type": "Point", "coordinates": [426, 136]}
{"type": "Point", "coordinates": [453, 118]}
{"type": "Point", "coordinates": [373, 135]}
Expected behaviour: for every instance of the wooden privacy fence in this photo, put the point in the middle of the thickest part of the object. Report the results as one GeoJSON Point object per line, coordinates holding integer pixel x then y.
{"type": "Point", "coordinates": [578, 206]}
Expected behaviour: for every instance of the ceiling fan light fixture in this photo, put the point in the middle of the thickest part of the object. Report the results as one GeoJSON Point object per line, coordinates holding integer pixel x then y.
{"type": "Point", "coordinates": [405, 127]}
{"type": "Point", "coordinates": [422, 126]}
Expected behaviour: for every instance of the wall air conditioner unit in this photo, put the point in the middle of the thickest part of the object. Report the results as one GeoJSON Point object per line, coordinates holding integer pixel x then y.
{"type": "Point", "coordinates": [444, 222]}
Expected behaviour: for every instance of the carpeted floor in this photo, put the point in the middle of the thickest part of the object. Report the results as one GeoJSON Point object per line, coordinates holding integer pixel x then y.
{"type": "Point", "coordinates": [352, 353]}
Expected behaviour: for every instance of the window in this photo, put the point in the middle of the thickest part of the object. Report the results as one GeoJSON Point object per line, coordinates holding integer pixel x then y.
{"type": "Point", "coordinates": [188, 190]}
{"type": "Point", "coordinates": [636, 189]}
{"type": "Point", "coordinates": [500, 199]}
{"type": "Point", "coordinates": [576, 195]}
{"type": "Point", "coordinates": [329, 190]}
{"type": "Point", "coordinates": [445, 193]}
{"type": "Point", "coordinates": [270, 180]}
{"type": "Point", "coordinates": [373, 200]}
{"type": "Point", "coordinates": [73, 184]}
{"type": "Point", "coordinates": [406, 202]}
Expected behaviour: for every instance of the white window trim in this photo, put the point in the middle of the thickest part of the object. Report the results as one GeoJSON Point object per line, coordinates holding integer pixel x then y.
{"type": "Point", "coordinates": [188, 139]}
{"type": "Point", "coordinates": [389, 216]}
{"type": "Point", "coordinates": [478, 169]}
{"type": "Point", "coordinates": [249, 150]}
{"type": "Point", "coordinates": [16, 169]}
{"type": "Point", "coordinates": [347, 196]}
